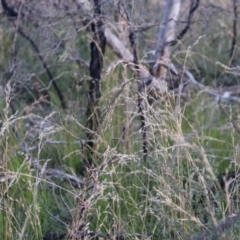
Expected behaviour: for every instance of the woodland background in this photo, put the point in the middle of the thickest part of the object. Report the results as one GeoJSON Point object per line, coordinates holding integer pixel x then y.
{"type": "Point", "coordinates": [112, 127]}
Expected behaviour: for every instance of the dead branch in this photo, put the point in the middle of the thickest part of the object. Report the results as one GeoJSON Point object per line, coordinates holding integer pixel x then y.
{"type": "Point", "coordinates": [123, 53]}
{"type": "Point", "coordinates": [116, 45]}
{"type": "Point", "coordinates": [166, 34]}
{"type": "Point", "coordinates": [143, 28]}
{"type": "Point", "coordinates": [221, 94]}
{"type": "Point", "coordinates": [193, 8]}
{"type": "Point", "coordinates": [12, 12]}
{"type": "Point", "coordinates": [45, 66]}
{"type": "Point", "coordinates": [50, 172]}
{"type": "Point", "coordinates": [78, 60]}
{"type": "Point", "coordinates": [145, 79]}
{"type": "Point", "coordinates": [234, 35]}
{"type": "Point", "coordinates": [132, 38]}
{"type": "Point", "coordinates": [96, 64]}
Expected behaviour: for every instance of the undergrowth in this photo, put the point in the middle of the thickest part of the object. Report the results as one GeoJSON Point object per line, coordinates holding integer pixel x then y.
{"type": "Point", "coordinates": [193, 139]}
{"type": "Point", "coordinates": [165, 197]}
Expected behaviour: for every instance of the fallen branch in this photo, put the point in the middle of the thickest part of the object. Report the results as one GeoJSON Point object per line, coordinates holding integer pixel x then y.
{"type": "Point", "coordinates": [221, 94]}
{"type": "Point", "coordinates": [50, 172]}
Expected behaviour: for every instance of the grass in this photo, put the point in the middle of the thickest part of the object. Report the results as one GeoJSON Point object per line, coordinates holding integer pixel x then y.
{"type": "Point", "coordinates": [123, 194]}
{"type": "Point", "coordinates": [166, 197]}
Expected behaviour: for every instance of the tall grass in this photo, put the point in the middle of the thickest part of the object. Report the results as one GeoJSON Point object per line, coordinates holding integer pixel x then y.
{"type": "Point", "coordinates": [166, 197]}
{"type": "Point", "coordinates": [175, 194]}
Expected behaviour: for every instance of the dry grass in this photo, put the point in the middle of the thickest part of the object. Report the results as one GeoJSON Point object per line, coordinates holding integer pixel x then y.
{"type": "Point", "coordinates": [175, 194]}
{"type": "Point", "coordinates": [167, 197]}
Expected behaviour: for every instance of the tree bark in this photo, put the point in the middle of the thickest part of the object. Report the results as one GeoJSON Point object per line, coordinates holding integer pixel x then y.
{"type": "Point", "coordinates": [97, 50]}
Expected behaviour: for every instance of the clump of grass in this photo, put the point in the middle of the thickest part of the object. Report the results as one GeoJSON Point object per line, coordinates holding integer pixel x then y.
{"type": "Point", "coordinates": [168, 196]}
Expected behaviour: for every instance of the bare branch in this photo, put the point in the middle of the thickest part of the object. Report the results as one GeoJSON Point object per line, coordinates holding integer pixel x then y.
{"type": "Point", "coordinates": [132, 38]}
{"type": "Point", "coordinates": [144, 28]}
{"type": "Point", "coordinates": [11, 12]}
{"type": "Point", "coordinates": [234, 37]}
{"type": "Point", "coordinates": [51, 78]}
{"type": "Point", "coordinates": [96, 64]}
{"type": "Point", "coordinates": [193, 8]}
{"type": "Point", "coordinates": [117, 46]}
{"type": "Point", "coordinates": [145, 79]}
{"type": "Point", "coordinates": [221, 94]}
{"type": "Point", "coordinates": [166, 34]}
{"type": "Point", "coordinates": [50, 172]}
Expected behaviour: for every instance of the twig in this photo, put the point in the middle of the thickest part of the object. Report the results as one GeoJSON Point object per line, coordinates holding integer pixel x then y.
{"type": "Point", "coordinates": [30, 149]}
{"type": "Point", "coordinates": [143, 28]}
{"type": "Point", "coordinates": [193, 8]}
{"type": "Point", "coordinates": [11, 12]}
{"type": "Point", "coordinates": [76, 182]}
{"type": "Point", "coordinates": [45, 66]}
{"type": "Point", "coordinates": [132, 39]}
{"type": "Point", "coordinates": [79, 61]}
{"type": "Point", "coordinates": [234, 37]}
